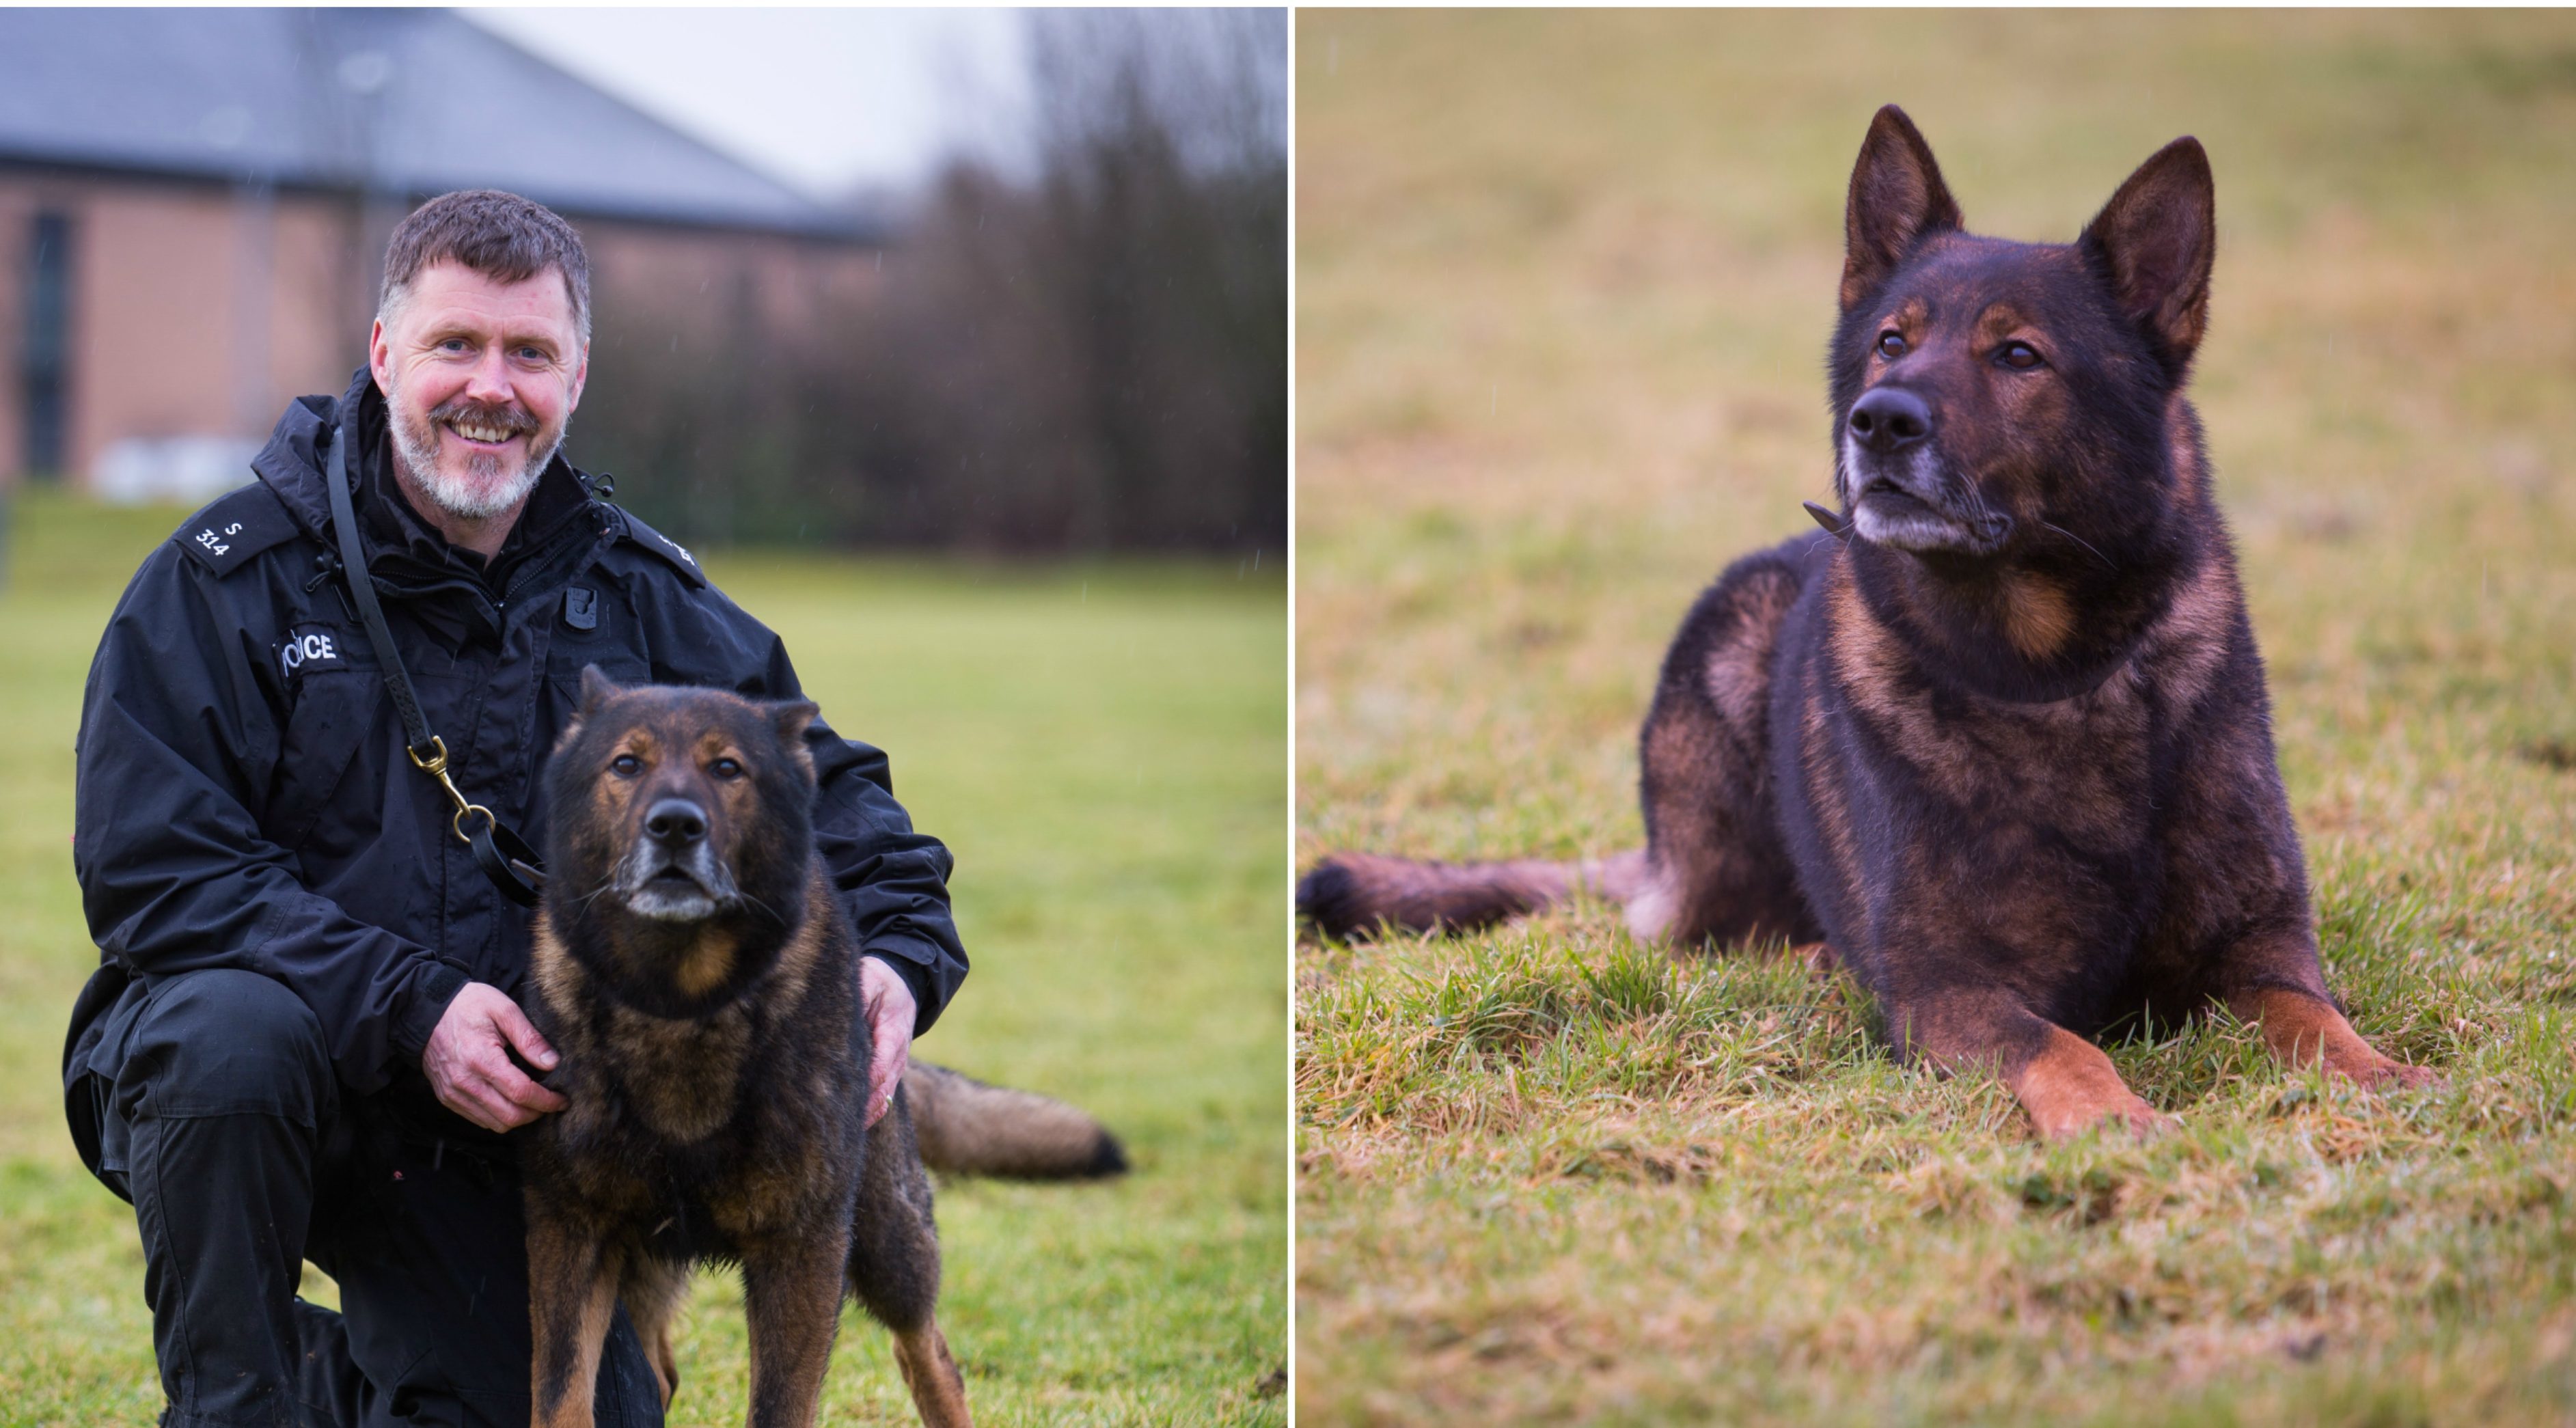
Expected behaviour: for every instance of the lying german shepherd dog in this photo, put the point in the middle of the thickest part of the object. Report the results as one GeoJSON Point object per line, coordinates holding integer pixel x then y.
{"type": "Point", "coordinates": [2002, 741]}
{"type": "Point", "coordinates": [701, 985]}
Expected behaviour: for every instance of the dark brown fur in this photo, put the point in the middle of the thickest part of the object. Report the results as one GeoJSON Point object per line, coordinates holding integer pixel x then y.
{"type": "Point", "coordinates": [2005, 744]}
{"type": "Point", "coordinates": [966, 1127]}
{"type": "Point", "coordinates": [717, 1067]}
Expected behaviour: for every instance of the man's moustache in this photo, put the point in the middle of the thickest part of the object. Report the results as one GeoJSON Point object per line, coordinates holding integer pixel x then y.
{"type": "Point", "coordinates": [510, 419]}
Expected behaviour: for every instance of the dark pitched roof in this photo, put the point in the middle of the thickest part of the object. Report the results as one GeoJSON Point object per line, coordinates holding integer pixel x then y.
{"type": "Point", "coordinates": [414, 102]}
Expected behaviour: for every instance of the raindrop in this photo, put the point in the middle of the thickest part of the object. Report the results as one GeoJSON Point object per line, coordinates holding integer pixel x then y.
{"type": "Point", "coordinates": [366, 71]}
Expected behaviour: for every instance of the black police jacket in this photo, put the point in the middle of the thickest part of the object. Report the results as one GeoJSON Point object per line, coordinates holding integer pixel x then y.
{"type": "Point", "coordinates": [243, 796]}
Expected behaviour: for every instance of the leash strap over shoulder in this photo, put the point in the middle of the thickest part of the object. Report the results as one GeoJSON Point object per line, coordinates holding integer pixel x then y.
{"type": "Point", "coordinates": [504, 856]}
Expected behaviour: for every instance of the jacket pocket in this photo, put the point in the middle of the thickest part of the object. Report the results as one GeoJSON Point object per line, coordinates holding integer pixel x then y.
{"type": "Point", "coordinates": [334, 712]}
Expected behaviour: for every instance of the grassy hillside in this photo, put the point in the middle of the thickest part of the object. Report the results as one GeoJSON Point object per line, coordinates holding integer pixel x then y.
{"type": "Point", "coordinates": [1565, 281]}
{"type": "Point", "coordinates": [1101, 748]}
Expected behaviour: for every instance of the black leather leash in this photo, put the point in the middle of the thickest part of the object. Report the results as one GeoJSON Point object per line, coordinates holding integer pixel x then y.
{"type": "Point", "coordinates": [504, 856]}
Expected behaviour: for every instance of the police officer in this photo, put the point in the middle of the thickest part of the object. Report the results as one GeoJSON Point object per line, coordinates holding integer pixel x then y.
{"type": "Point", "coordinates": [303, 1041]}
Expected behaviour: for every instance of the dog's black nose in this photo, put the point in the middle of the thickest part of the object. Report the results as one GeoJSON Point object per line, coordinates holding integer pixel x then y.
{"type": "Point", "coordinates": [1887, 420]}
{"type": "Point", "coordinates": [676, 820]}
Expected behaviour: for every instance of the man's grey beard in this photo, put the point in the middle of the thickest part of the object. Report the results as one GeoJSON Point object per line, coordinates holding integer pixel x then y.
{"type": "Point", "coordinates": [416, 461]}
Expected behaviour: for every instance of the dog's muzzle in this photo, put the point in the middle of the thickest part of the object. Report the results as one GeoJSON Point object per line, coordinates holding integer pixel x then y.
{"type": "Point", "coordinates": [1903, 494]}
{"type": "Point", "coordinates": [672, 873]}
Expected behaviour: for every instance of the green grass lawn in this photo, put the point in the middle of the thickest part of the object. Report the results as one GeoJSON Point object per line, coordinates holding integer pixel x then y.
{"type": "Point", "coordinates": [1103, 749]}
{"type": "Point", "coordinates": [1564, 284]}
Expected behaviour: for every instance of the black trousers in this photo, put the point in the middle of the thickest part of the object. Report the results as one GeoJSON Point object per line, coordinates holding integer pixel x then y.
{"type": "Point", "coordinates": [225, 1127]}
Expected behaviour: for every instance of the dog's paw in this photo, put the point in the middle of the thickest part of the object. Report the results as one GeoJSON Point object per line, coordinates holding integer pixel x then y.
{"type": "Point", "coordinates": [2388, 1074]}
{"type": "Point", "coordinates": [2128, 1114]}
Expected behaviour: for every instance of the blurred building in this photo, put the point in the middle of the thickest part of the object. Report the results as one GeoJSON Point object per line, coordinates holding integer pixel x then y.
{"type": "Point", "coordinates": [194, 206]}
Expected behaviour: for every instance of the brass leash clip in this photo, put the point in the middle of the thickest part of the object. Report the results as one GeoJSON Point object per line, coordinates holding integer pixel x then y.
{"type": "Point", "coordinates": [436, 767]}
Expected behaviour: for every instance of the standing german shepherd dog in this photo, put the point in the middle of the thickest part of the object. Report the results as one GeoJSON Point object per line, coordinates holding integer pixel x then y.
{"type": "Point", "coordinates": [702, 986]}
{"type": "Point", "coordinates": [2003, 743]}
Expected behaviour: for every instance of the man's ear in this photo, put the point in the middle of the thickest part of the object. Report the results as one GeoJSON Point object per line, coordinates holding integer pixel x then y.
{"type": "Point", "coordinates": [380, 355]}
{"type": "Point", "coordinates": [1897, 199]}
{"type": "Point", "coordinates": [2156, 240]}
{"type": "Point", "coordinates": [580, 379]}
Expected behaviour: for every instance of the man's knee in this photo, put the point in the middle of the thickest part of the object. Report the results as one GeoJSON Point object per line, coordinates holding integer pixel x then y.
{"type": "Point", "coordinates": [223, 1042]}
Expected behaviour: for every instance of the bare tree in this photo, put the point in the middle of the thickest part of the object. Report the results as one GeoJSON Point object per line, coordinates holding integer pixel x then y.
{"type": "Point", "coordinates": [1093, 357]}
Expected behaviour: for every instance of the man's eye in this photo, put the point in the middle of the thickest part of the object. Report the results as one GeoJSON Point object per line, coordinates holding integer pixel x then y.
{"type": "Point", "coordinates": [725, 768]}
{"type": "Point", "coordinates": [2020, 356]}
{"type": "Point", "coordinates": [627, 765]}
{"type": "Point", "coordinates": [1891, 344]}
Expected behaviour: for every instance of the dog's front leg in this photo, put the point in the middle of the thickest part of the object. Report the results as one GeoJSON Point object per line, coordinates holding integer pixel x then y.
{"type": "Point", "coordinates": [2303, 1028]}
{"type": "Point", "coordinates": [572, 1291]}
{"type": "Point", "coordinates": [791, 1295]}
{"type": "Point", "coordinates": [2064, 1081]}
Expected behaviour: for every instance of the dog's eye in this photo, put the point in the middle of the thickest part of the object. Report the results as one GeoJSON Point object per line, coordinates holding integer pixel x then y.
{"type": "Point", "coordinates": [725, 768]}
{"type": "Point", "coordinates": [626, 765]}
{"type": "Point", "coordinates": [1891, 345]}
{"type": "Point", "coordinates": [2020, 356]}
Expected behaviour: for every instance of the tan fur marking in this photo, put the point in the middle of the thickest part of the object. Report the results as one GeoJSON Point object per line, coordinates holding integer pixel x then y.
{"type": "Point", "coordinates": [559, 977]}
{"type": "Point", "coordinates": [793, 1310]}
{"type": "Point", "coordinates": [2002, 322]}
{"type": "Point", "coordinates": [2190, 642]}
{"type": "Point", "coordinates": [709, 962]}
{"type": "Point", "coordinates": [796, 960]}
{"type": "Point", "coordinates": [1863, 656]}
{"type": "Point", "coordinates": [938, 1389]}
{"type": "Point", "coordinates": [2071, 1087]}
{"type": "Point", "coordinates": [1738, 671]}
{"type": "Point", "coordinates": [2305, 1030]}
{"type": "Point", "coordinates": [1866, 656]}
{"type": "Point", "coordinates": [1909, 320]}
{"type": "Point", "coordinates": [653, 1293]}
{"type": "Point", "coordinates": [681, 1075]}
{"type": "Point", "coordinates": [1822, 962]}
{"type": "Point", "coordinates": [2186, 460]}
{"type": "Point", "coordinates": [558, 1266]}
{"type": "Point", "coordinates": [2038, 617]}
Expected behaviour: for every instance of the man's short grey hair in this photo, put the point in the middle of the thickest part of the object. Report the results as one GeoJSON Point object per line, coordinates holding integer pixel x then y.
{"type": "Point", "coordinates": [500, 235]}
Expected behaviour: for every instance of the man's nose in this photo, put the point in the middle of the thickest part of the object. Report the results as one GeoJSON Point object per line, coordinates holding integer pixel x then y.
{"type": "Point", "coordinates": [489, 380]}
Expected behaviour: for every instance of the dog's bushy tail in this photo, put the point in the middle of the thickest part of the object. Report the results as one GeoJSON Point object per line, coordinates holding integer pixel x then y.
{"type": "Point", "coordinates": [968, 1128]}
{"type": "Point", "coordinates": [1352, 895]}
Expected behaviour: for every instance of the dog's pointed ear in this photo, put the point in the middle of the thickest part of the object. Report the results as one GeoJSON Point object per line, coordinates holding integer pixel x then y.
{"type": "Point", "coordinates": [596, 690]}
{"type": "Point", "coordinates": [1897, 199]}
{"type": "Point", "coordinates": [791, 720]}
{"type": "Point", "coordinates": [2156, 240]}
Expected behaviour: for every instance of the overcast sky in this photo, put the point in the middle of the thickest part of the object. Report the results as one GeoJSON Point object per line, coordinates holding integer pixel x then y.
{"type": "Point", "coordinates": [827, 100]}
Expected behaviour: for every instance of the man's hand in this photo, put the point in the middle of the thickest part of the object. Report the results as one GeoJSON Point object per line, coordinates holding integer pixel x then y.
{"type": "Point", "coordinates": [473, 1075]}
{"type": "Point", "coordinates": [890, 1012]}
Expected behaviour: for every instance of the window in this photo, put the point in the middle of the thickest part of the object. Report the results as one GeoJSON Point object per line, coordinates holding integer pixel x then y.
{"type": "Point", "coordinates": [44, 361]}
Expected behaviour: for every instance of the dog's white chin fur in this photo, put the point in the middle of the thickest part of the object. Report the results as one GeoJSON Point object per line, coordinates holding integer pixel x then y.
{"type": "Point", "coordinates": [1920, 530]}
{"type": "Point", "coordinates": [662, 906]}
{"type": "Point", "coordinates": [1909, 532]}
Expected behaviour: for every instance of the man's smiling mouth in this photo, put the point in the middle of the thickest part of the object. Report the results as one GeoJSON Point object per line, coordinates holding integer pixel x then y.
{"type": "Point", "coordinates": [480, 433]}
